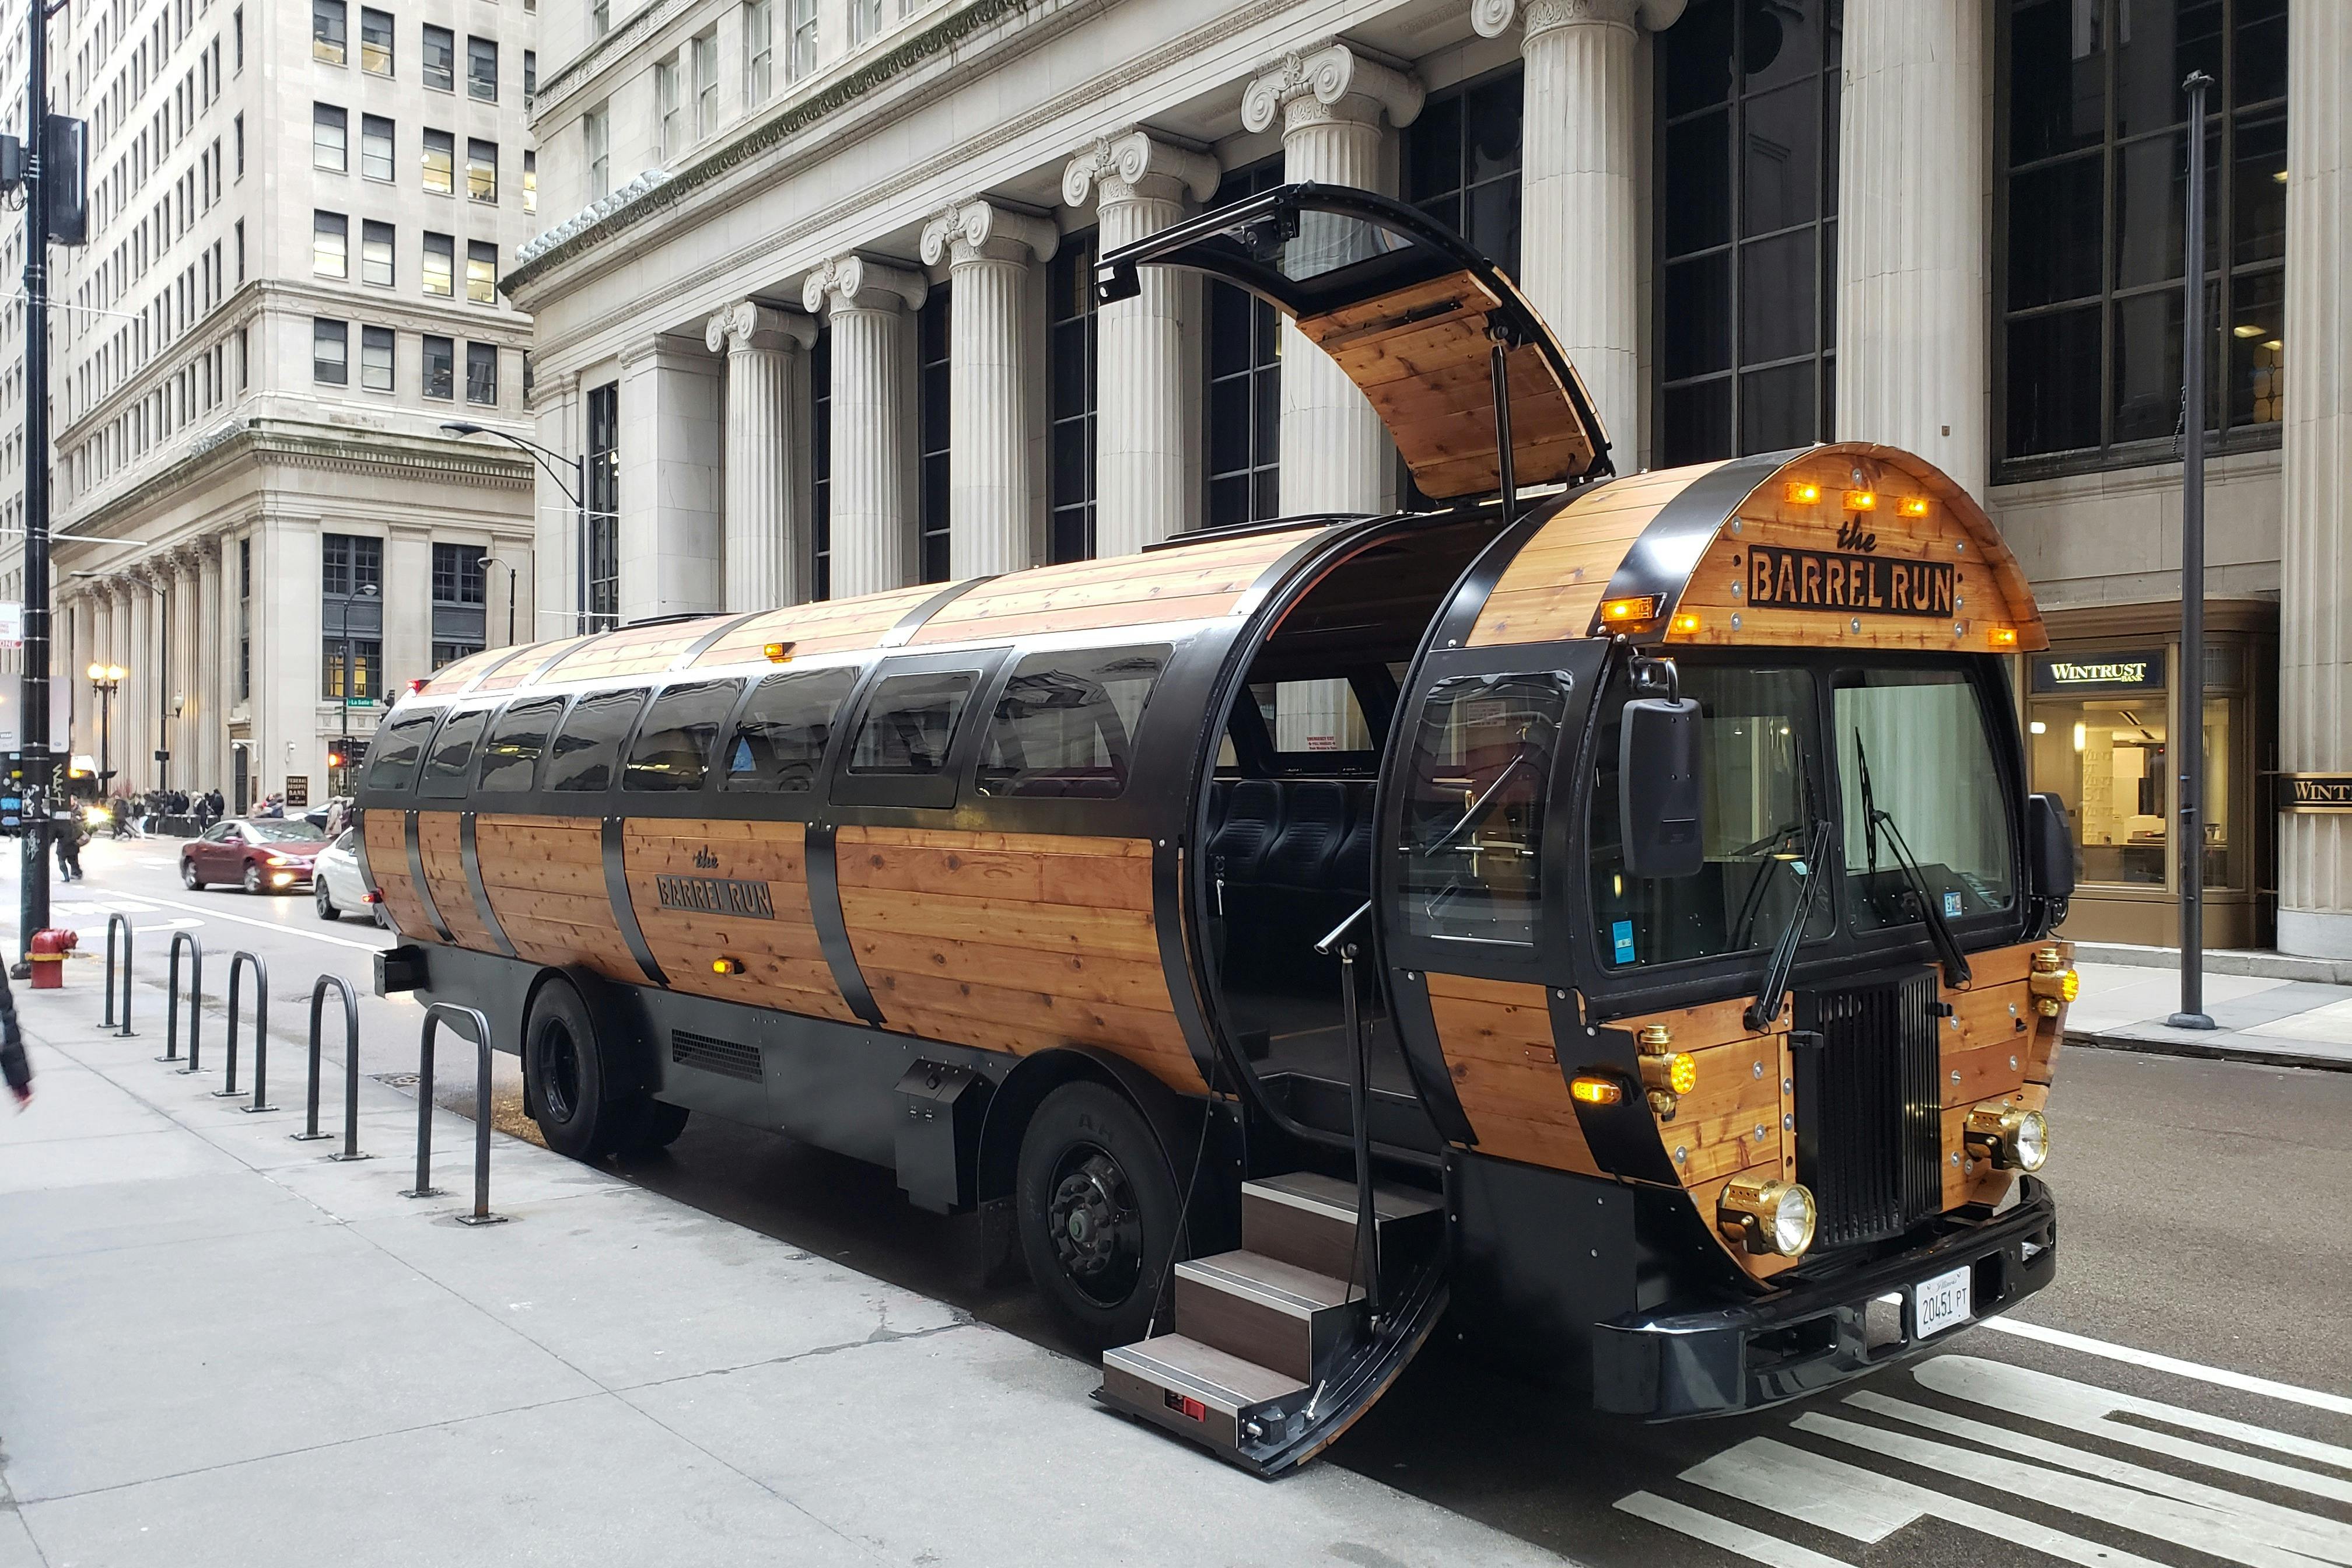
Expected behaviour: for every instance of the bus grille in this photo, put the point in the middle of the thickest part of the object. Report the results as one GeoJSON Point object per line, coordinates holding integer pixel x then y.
{"type": "Point", "coordinates": [1870, 1130]}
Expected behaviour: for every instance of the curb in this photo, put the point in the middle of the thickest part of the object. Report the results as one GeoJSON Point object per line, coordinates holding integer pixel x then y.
{"type": "Point", "coordinates": [2219, 961]}
{"type": "Point", "coordinates": [2259, 1055]}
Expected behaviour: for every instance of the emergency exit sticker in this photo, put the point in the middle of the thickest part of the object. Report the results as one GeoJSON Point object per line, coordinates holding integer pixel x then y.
{"type": "Point", "coordinates": [1623, 934]}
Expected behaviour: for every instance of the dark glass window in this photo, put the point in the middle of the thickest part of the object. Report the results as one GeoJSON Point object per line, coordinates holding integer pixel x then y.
{"type": "Point", "coordinates": [363, 655]}
{"type": "Point", "coordinates": [458, 574]}
{"type": "Point", "coordinates": [375, 42]}
{"type": "Point", "coordinates": [1244, 402]}
{"type": "Point", "coordinates": [481, 372]}
{"type": "Point", "coordinates": [440, 58]}
{"type": "Point", "coordinates": [331, 351]}
{"type": "Point", "coordinates": [453, 755]}
{"type": "Point", "coordinates": [911, 722]}
{"type": "Point", "coordinates": [931, 398]}
{"type": "Point", "coordinates": [511, 755]}
{"type": "Point", "coordinates": [673, 746]}
{"type": "Point", "coordinates": [348, 563]}
{"type": "Point", "coordinates": [1070, 327]}
{"type": "Point", "coordinates": [482, 68]}
{"type": "Point", "coordinates": [439, 366]}
{"type": "Point", "coordinates": [1461, 163]}
{"type": "Point", "coordinates": [821, 467]}
{"type": "Point", "coordinates": [328, 22]}
{"type": "Point", "coordinates": [448, 653]}
{"type": "Point", "coordinates": [588, 747]}
{"type": "Point", "coordinates": [392, 754]}
{"type": "Point", "coordinates": [780, 740]}
{"type": "Point", "coordinates": [1066, 722]}
{"type": "Point", "coordinates": [1747, 185]}
{"type": "Point", "coordinates": [604, 506]}
{"type": "Point", "coordinates": [2093, 201]}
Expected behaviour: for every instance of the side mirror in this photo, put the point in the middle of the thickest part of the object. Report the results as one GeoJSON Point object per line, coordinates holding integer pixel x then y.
{"type": "Point", "coordinates": [1659, 807]}
{"type": "Point", "coordinates": [2049, 848]}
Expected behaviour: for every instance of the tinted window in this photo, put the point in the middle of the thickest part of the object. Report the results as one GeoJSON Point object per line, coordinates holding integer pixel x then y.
{"type": "Point", "coordinates": [1474, 811]}
{"type": "Point", "coordinates": [780, 740]}
{"type": "Point", "coordinates": [391, 760]}
{"type": "Point", "coordinates": [588, 748]}
{"type": "Point", "coordinates": [1065, 724]}
{"type": "Point", "coordinates": [673, 749]}
{"type": "Point", "coordinates": [453, 755]}
{"type": "Point", "coordinates": [909, 723]}
{"type": "Point", "coordinates": [511, 754]}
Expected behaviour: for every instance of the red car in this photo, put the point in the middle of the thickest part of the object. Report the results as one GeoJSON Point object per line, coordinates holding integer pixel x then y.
{"type": "Point", "coordinates": [259, 857]}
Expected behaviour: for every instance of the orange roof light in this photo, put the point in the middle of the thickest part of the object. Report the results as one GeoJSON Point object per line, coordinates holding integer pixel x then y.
{"type": "Point", "coordinates": [1796, 492]}
{"type": "Point", "coordinates": [1913, 506]}
{"type": "Point", "coordinates": [1686, 622]}
{"type": "Point", "coordinates": [1597, 1090]}
{"type": "Point", "coordinates": [778, 652]}
{"type": "Point", "coordinates": [1644, 607]}
{"type": "Point", "coordinates": [2004, 636]}
{"type": "Point", "coordinates": [1862, 500]}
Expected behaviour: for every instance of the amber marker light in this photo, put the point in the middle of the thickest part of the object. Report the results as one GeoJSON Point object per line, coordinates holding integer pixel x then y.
{"type": "Point", "coordinates": [778, 652]}
{"type": "Point", "coordinates": [1686, 622]}
{"type": "Point", "coordinates": [1619, 612]}
{"type": "Point", "coordinates": [2003, 636]}
{"type": "Point", "coordinates": [725, 966]}
{"type": "Point", "coordinates": [1913, 506]}
{"type": "Point", "coordinates": [1862, 500]}
{"type": "Point", "coordinates": [1796, 492]}
{"type": "Point", "coordinates": [1677, 1073]}
{"type": "Point", "coordinates": [1590, 1091]}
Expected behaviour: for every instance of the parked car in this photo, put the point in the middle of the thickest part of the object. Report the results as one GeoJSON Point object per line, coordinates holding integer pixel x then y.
{"type": "Point", "coordinates": [339, 886]}
{"type": "Point", "coordinates": [261, 856]}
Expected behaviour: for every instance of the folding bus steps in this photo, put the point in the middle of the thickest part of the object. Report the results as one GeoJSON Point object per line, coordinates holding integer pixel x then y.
{"type": "Point", "coordinates": [1271, 1359]}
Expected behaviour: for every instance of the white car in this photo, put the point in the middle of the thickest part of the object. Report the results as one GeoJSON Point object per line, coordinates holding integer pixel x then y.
{"type": "Point", "coordinates": [338, 885]}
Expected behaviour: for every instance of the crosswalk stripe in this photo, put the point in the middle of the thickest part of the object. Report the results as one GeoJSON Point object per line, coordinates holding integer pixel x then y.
{"type": "Point", "coordinates": [2222, 1376]}
{"type": "Point", "coordinates": [1732, 1536]}
{"type": "Point", "coordinates": [2232, 1536]}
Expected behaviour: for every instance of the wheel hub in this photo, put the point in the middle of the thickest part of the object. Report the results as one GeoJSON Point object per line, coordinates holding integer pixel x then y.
{"type": "Point", "coordinates": [1095, 1229]}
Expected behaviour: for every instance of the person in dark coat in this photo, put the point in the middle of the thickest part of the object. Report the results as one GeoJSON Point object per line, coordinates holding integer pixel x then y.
{"type": "Point", "coordinates": [15, 1070]}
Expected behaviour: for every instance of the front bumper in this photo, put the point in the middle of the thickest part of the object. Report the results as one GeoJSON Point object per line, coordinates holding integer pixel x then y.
{"type": "Point", "coordinates": [1718, 1360]}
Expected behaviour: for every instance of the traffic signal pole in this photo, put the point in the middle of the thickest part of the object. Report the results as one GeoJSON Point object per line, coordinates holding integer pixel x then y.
{"type": "Point", "coordinates": [34, 912]}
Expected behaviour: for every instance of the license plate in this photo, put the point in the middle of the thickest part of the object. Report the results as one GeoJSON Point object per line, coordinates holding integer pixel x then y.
{"type": "Point", "coordinates": [1939, 1303]}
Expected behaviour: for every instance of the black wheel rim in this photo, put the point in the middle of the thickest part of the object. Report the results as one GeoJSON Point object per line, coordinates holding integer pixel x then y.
{"type": "Point", "coordinates": [1096, 1224]}
{"type": "Point", "coordinates": [559, 1072]}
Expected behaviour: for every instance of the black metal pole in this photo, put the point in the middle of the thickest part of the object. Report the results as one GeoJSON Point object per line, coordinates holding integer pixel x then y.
{"type": "Point", "coordinates": [510, 606]}
{"type": "Point", "coordinates": [34, 904]}
{"type": "Point", "coordinates": [580, 505]}
{"type": "Point", "coordinates": [2189, 728]}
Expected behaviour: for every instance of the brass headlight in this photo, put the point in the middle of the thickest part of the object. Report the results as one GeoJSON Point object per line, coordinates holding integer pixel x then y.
{"type": "Point", "coordinates": [2011, 1139]}
{"type": "Point", "coordinates": [1767, 1215]}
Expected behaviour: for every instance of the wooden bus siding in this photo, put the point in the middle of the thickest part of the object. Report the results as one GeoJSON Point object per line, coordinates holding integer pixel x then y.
{"type": "Point", "coordinates": [385, 832]}
{"type": "Point", "coordinates": [445, 879]}
{"type": "Point", "coordinates": [545, 879]}
{"type": "Point", "coordinates": [1497, 1040]}
{"type": "Point", "coordinates": [782, 961]}
{"type": "Point", "coordinates": [1191, 583]}
{"type": "Point", "coordinates": [1551, 590]}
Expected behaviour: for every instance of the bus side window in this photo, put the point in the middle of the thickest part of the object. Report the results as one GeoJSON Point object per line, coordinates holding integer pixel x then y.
{"type": "Point", "coordinates": [673, 746]}
{"type": "Point", "coordinates": [391, 760]}
{"type": "Point", "coordinates": [451, 756]}
{"type": "Point", "coordinates": [587, 750]}
{"type": "Point", "coordinates": [779, 743]}
{"type": "Point", "coordinates": [511, 755]}
{"type": "Point", "coordinates": [909, 725]}
{"type": "Point", "coordinates": [1065, 723]}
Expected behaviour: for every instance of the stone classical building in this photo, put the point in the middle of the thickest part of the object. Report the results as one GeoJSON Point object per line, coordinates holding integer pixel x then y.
{"type": "Point", "coordinates": [298, 213]}
{"type": "Point", "coordinates": [812, 310]}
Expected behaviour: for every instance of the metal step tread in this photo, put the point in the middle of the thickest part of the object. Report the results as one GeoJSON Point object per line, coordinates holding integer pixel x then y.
{"type": "Point", "coordinates": [1214, 1377]}
{"type": "Point", "coordinates": [1284, 1286]}
{"type": "Point", "coordinates": [1325, 1195]}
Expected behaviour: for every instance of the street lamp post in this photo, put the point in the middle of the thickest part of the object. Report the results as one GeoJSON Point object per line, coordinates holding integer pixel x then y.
{"type": "Point", "coordinates": [106, 680]}
{"type": "Point", "coordinates": [352, 591]}
{"type": "Point", "coordinates": [576, 492]}
{"type": "Point", "coordinates": [501, 561]}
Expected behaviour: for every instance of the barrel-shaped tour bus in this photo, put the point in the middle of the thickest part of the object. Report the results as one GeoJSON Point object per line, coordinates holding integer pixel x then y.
{"type": "Point", "coordinates": [1605, 912]}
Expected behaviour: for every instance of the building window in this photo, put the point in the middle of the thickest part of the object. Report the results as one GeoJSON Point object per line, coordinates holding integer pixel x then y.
{"type": "Point", "coordinates": [440, 262]}
{"type": "Point", "coordinates": [239, 137]}
{"type": "Point", "coordinates": [2095, 151]}
{"type": "Point", "coordinates": [706, 85]}
{"type": "Point", "coordinates": [350, 564]}
{"type": "Point", "coordinates": [600, 18]}
{"type": "Point", "coordinates": [530, 72]}
{"type": "Point", "coordinates": [1747, 187]}
{"type": "Point", "coordinates": [244, 615]}
{"type": "Point", "coordinates": [604, 506]}
{"type": "Point", "coordinates": [932, 378]}
{"type": "Point", "coordinates": [804, 39]}
{"type": "Point", "coordinates": [596, 131]}
{"type": "Point", "coordinates": [439, 368]}
{"type": "Point", "coordinates": [481, 272]}
{"type": "Point", "coordinates": [821, 467]}
{"type": "Point", "coordinates": [327, 24]}
{"type": "Point", "coordinates": [530, 182]}
{"type": "Point", "coordinates": [330, 245]}
{"type": "Point", "coordinates": [1245, 391]}
{"type": "Point", "coordinates": [440, 161]}
{"type": "Point", "coordinates": [375, 358]}
{"type": "Point", "coordinates": [482, 374]}
{"type": "Point", "coordinates": [375, 254]}
{"type": "Point", "coordinates": [440, 58]}
{"type": "Point", "coordinates": [1070, 329]}
{"type": "Point", "coordinates": [445, 653]}
{"type": "Point", "coordinates": [330, 138]}
{"type": "Point", "coordinates": [482, 68]}
{"type": "Point", "coordinates": [375, 42]}
{"type": "Point", "coordinates": [481, 170]}
{"type": "Point", "coordinates": [365, 656]}
{"type": "Point", "coordinates": [458, 576]}
{"type": "Point", "coordinates": [666, 108]}
{"type": "Point", "coordinates": [1461, 163]}
{"type": "Point", "coordinates": [759, 50]}
{"type": "Point", "coordinates": [236, 38]}
{"type": "Point", "coordinates": [375, 147]}
{"type": "Point", "coordinates": [865, 21]}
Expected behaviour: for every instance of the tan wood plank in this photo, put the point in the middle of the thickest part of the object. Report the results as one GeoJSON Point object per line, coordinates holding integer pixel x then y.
{"type": "Point", "coordinates": [1053, 928]}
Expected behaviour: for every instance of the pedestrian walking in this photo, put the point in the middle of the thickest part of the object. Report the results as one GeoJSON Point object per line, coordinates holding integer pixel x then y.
{"type": "Point", "coordinates": [70, 835]}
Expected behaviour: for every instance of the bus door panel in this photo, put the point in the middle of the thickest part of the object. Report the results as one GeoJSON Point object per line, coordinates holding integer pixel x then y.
{"type": "Point", "coordinates": [724, 907]}
{"type": "Point", "coordinates": [544, 877]}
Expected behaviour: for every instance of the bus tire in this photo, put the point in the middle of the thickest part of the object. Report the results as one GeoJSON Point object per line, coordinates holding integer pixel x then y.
{"type": "Point", "coordinates": [564, 1063]}
{"type": "Point", "coordinates": [1097, 1209]}
{"type": "Point", "coordinates": [656, 1125]}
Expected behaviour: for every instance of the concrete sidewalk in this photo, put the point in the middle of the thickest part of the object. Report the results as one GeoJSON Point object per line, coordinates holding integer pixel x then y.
{"type": "Point", "coordinates": [2282, 1021]}
{"type": "Point", "coordinates": [217, 1347]}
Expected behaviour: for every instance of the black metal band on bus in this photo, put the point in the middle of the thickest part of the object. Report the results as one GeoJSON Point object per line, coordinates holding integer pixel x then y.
{"type": "Point", "coordinates": [1167, 930]}
{"type": "Point", "coordinates": [1416, 1033]}
{"type": "Point", "coordinates": [416, 876]}
{"type": "Point", "coordinates": [701, 645]}
{"type": "Point", "coordinates": [473, 862]}
{"type": "Point", "coordinates": [902, 631]}
{"type": "Point", "coordinates": [1660, 560]}
{"type": "Point", "coordinates": [624, 910]}
{"type": "Point", "coordinates": [831, 930]}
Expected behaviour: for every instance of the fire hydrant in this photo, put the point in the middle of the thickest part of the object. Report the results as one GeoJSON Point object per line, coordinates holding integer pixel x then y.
{"type": "Point", "coordinates": [49, 948]}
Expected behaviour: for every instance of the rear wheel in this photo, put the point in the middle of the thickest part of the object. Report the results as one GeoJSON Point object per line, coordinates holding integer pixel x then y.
{"type": "Point", "coordinates": [327, 911]}
{"type": "Point", "coordinates": [568, 1067]}
{"type": "Point", "coordinates": [1097, 1209]}
{"type": "Point", "coordinates": [188, 877]}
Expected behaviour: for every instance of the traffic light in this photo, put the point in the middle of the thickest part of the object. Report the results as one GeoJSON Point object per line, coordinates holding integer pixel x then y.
{"type": "Point", "coordinates": [334, 756]}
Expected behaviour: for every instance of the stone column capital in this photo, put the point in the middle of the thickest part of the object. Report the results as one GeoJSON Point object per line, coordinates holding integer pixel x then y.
{"type": "Point", "coordinates": [1493, 18]}
{"type": "Point", "coordinates": [749, 327]}
{"type": "Point", "coordinates": [654, 346]}
{"type": "Point", "coordinates": [1127, 165]}
{"type": "Point", "coordinates": [982, 230]}
{"type": "Point", "coordinates": [852, 282]}
{"type": "Point", "coordinates": [1327, 81]}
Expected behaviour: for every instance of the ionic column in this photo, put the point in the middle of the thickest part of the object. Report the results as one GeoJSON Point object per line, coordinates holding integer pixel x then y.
{"type": "Point", "coordinates": [873, 490]}
{"type": "Point", "coordinates": [1335, 454]}
{"type": "Point", "coordinates": [1144, 465]}
{"type": "Point", "coordinates": [136, 700]}
{"type": "Point", "coordinates": [671, 536]}
{"type": "Point", "coordinates": [991, 475]}
{"type": "Point", "coordinates": [1579, 217]}
{"type": "Point", "coordinates": [212, 678]}
{"type": "Point", "coordinates": [181, 694]}
{"type": "Point", "coordinates": [1912, 322]}
{"type": "Point", "coordinates": [2315, 565]}
{"type": "Point", "coordinates": [767, 543]}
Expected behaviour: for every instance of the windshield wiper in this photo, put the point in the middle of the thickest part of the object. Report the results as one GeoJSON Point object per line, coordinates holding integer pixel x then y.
{"type": "Point", "coordinates": [1767, 1006]}
{"type": "Point", "coordinates": [1939, 930]}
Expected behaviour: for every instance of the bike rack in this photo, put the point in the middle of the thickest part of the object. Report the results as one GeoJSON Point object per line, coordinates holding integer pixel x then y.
{"type": "Point", "coordinates": [108, 1022]}
{"type": "Point", "coordinates": [436, 1014]}
{"type": "Point", "coordinates": [351, 1068]}
{"type": "Point", "coordinates": [171, 999]}
{"type": "Point", "coordinates": [260, 1032]}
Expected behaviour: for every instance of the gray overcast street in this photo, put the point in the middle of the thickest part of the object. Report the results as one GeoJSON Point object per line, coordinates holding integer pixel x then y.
{"type": "Point", "coordinates": [2195, 1197]}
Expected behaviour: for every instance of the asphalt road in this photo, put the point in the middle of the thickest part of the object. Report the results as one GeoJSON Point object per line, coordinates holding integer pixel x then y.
{"type": "Point", "coordinates": [2201, 1206]}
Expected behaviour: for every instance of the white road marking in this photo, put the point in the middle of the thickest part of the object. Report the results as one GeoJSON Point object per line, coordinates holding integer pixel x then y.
{"type": "Point", "coordinates": [266, 925]}
{"type": "Point", "coordinates": [1700, 1525]}
{"type": "Point", "coordinates": [2222, 1376]}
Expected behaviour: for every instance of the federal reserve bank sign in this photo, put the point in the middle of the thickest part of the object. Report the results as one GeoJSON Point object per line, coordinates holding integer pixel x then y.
{"type": "Point", "coordinates": [2315, 791]}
